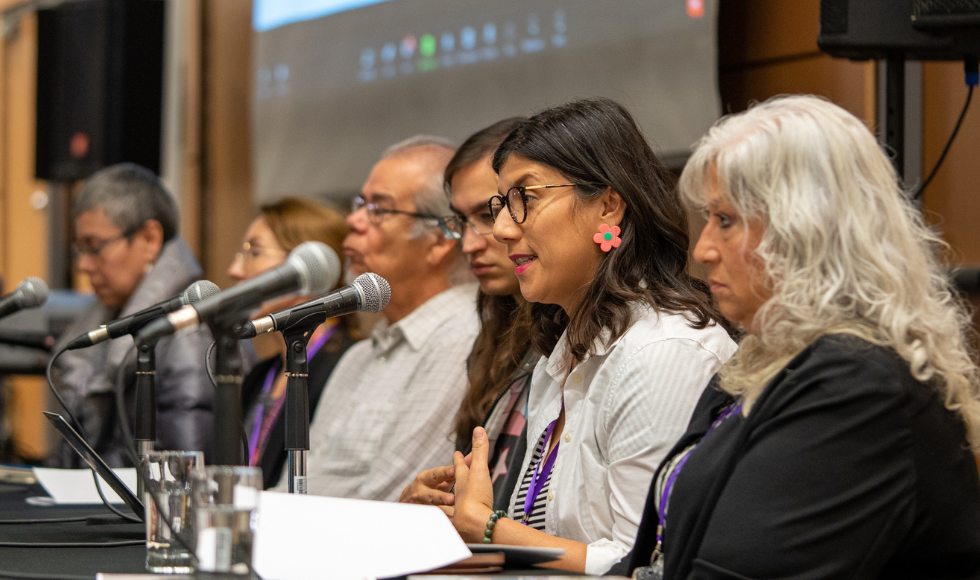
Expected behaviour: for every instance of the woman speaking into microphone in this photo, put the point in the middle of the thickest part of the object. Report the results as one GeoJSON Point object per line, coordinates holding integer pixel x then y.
{"type": "Point", "coordinates": [599, 243]}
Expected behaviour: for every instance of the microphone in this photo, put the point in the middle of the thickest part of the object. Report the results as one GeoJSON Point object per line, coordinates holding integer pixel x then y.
{"type": "Point", "coordinates": [30, 293]}
{"type": "Point", "coordinates": [311, 268]}
{"type": "Point", "coordinates": [196, 292]}
{"type": "Point", "coordinates": [367, 293]}
{"type": "Point", "coordinates": [27, 339]}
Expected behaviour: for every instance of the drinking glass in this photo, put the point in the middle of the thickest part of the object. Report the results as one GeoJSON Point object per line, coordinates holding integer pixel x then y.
{"type": "Point", "coordinates": [169, 514]}
{"type": "Point", "coordinates": [226, 512]}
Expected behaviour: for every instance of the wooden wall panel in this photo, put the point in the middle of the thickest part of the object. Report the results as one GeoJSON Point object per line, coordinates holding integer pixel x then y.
{"type": "Point", "coordinates": [228, 176]}
{"type": "Point", "coordinates": [23, 229]}
{"type": "Point", "coordinates": [769, 47]}
{"type": "Point", "coordinates": [762, 30]}
{"type": "Point", "coordinates": [191, 138]}
{"type": "Point", "coordinates": [952, 200]}
{"type": "Point", "coordinates": [849, 84]}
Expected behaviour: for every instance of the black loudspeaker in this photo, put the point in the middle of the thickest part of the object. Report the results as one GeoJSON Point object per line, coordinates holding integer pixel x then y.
{"type": "Point", "coordinates": [99, 86]}
{"type": "Point", "coordinates": [946, 14]}
{"type": "Point", "coordinates": [878, 29]}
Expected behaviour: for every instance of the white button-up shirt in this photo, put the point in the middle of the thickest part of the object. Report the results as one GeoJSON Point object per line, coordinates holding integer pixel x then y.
{"type": "Point", "coordinates": [625, 406]}
{"type": "Point", "coordinates": [389, 408]}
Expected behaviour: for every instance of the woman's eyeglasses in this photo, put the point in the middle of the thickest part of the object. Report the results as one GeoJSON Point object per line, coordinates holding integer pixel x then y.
{"type": "Point", "coordinates": [94, 249]}
{"type": "Point", "coordinates": [516, 201]}
{"type": "Point", "coordinates": [250, 252]}
{"type": "Point", "coordinates": [376, 215]}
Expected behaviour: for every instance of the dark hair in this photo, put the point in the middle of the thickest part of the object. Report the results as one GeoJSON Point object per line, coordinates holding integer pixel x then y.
{"type": "Point", "coordinates": [130, 195]}
{"type": "Point", "coordinates": [596, 144]}
{"type": "Point", "coordinates": [504, 332]}
{"type": "Point", "coordinates": [479, 146]}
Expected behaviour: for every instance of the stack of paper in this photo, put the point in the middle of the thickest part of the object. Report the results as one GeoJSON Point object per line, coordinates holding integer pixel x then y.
{"type": "Point", "coordinates": [302, 537]}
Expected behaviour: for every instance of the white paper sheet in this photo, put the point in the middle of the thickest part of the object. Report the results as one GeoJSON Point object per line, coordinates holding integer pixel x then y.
{"type": "Point", "coordinates": [76, 486]}
{"type": "Point", "coordinates": [303, 537]}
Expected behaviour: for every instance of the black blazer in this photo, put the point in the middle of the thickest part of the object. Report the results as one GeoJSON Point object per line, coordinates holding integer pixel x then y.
{"type": "Point", "coordinates": [847, 467]}
{"type": "Point", "coordinates": [273, 457]}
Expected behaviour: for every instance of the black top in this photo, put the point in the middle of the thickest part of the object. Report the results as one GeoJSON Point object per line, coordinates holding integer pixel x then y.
{"type": "Point", "coordinates": [847, 467]}
{"type": "Point", "coordinates": [273, 457]}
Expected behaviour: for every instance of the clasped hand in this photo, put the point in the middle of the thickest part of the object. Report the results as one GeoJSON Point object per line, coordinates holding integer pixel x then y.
{"type": "Point", "coordinates": [463, 490]}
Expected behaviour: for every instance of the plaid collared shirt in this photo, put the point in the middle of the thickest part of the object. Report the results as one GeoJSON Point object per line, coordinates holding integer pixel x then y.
{"type": "Point", "coordinates": [389, 408]}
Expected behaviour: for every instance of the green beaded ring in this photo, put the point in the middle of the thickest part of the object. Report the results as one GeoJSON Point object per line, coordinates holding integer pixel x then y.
{"type": "Point", "coordinates": [491, 524]}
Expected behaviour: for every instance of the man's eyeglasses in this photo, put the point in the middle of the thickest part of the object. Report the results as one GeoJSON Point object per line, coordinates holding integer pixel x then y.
{"type": "Point", "coordinates": [94, 249]}
{"type": "Point", "coordinates": [376, 214]}
{"type": "Point", "coordinates": [516, 201]}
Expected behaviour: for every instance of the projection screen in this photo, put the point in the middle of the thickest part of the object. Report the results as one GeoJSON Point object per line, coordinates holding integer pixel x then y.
{"type": "Point", "coordinates": [337, 81]}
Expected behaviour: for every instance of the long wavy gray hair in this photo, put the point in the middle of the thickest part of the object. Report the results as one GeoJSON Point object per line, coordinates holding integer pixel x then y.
{"type": "Point", "coordinates": [843, 249]}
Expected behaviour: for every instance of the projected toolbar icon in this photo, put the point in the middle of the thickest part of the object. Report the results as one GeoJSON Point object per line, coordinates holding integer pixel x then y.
{"type": "Point", "coordinates": [427, 45]}
{"type": "Point", "coordinates": [467, 38]}
{"type": "Point", "coordinates": [476, 43]}
{"type": "Point", "coordinates": [389, 52]}
{"type": "Point", "coordinates": [367, 58]}
{"type": "Point", "coordinates": [408, 46]}
{"type": "Point", "coordinates": [490, 33]}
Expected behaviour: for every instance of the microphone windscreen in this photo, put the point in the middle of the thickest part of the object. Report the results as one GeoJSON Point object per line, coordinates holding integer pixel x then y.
{"type": "Point", "coordinates": [318, 266]}
{"type": "Point", "coordinates": [199, 291]}
{"type": "Point", "coordinates": [33, 292]}
{"type": "Point", "coordinates": [376, 292]}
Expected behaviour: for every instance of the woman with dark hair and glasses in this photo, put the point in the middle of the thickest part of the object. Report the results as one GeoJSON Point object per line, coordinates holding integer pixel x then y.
{"type": "Point", "coordinates": [500, 365]}
{"type": "Point", "coordinates": [599, 245]}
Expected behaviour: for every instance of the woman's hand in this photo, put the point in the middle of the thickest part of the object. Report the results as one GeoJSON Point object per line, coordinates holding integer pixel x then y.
{"type": "Point", "coordinates": [431, 487]}
{"type": "Point", "coordinates": [474, 492]}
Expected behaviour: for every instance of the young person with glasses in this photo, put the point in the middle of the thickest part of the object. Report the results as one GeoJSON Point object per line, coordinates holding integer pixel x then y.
{"type": "Point", "coordinates": [280, 227]}
{"type": "Point", "coordinates": [500, 365]}
{"type": "Point", "coordinates": [599, 245]}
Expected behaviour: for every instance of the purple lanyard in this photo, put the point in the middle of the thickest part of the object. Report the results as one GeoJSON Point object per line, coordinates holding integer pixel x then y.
{"type": "Point", "coordinates": [537, 482]}
{"type": "Point", "coordinates": [728, 412]}
{"type": "Point", "coordinates": [270, 377]}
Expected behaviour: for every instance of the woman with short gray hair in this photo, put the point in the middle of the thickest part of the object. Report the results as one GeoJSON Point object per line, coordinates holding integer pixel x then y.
{"type": "Point", "coordinates": [126, 242]}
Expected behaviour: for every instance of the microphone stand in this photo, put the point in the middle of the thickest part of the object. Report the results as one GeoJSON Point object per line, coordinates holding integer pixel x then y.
{"type": "Point", "coordinates": [145, 426]}
{"type": "Point", "coordinates": [228, 395]}
{"type": "Point", "coordinates": [297, 337]}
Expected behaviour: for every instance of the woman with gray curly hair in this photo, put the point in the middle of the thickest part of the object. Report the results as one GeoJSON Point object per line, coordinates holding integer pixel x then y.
{"type": "Point", "coordinates": [836, 443]}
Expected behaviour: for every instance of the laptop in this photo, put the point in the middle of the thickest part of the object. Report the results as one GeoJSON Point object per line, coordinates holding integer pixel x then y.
{"type": "Point", "coordinates": [96, 463]}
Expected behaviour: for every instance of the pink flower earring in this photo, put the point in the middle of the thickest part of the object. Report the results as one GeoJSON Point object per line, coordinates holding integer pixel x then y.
{"type": "Point", "coordinates": [608, 237]}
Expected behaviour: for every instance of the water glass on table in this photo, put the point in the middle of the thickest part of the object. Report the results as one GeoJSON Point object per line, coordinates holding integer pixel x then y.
{"type": "Point", "coordinates": [225, 515]}
{"type": "Point", "coordinates": [169, 515]}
